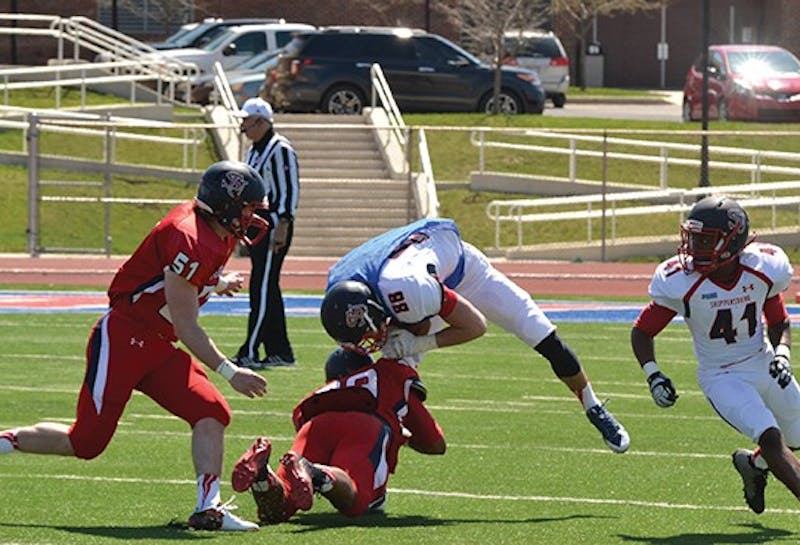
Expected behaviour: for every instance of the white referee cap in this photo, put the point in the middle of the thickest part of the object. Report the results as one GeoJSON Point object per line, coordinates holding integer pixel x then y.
{"type": "Point", "coordinates": [255, 106]}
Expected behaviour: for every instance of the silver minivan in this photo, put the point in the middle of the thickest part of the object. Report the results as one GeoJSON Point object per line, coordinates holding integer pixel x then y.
{"type": "Point", "coordinates": [543, 52]}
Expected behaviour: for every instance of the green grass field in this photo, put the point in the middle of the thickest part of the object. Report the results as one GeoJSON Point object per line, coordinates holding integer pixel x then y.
{"type": "Point", "coordinates": [523, 465]}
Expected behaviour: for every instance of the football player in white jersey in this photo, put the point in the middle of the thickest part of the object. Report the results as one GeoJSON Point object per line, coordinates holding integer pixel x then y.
{"type": "Point", "coordinates": [729, 291]}
{"type": "Point", "coordinates": [437, 291]}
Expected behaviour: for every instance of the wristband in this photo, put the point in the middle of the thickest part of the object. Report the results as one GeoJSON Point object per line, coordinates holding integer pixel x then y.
{"type": "Point", "coordinates": [650, 368]}
{"type": "Point", "coordinates": [783, 350]}
{"type": "Point", "coordinates": [227, 369]}
{"type": "Point", "coordinates": [221, 286]}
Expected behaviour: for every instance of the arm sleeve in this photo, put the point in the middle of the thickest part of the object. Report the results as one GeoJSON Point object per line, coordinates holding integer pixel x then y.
{"type": "Point", "coordinates": [654, 318]}
{"type": "Point", "coordinates": [424, 428]}
{"type": "Point", "coordinates": [449, 300]}
{"type": "Point", "coordinates": [775, 310]}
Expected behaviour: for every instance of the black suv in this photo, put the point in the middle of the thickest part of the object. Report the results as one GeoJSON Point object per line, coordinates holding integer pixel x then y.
{"type": "Point", "coordinates": [329, 71]}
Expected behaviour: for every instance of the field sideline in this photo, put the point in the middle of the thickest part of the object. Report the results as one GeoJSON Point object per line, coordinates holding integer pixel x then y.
{"type": "Point", "coordinates": [523, 465]}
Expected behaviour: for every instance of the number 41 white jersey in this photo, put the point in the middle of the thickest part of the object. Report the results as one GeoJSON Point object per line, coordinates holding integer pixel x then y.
{"type": "Point", "coordinates": [726, 321]}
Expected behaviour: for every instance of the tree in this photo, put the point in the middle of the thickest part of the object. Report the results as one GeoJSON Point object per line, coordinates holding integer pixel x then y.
{"type": "Point", "coordinates": [483, 24]}
{"type": "Point", "coordinates": [579, 15]}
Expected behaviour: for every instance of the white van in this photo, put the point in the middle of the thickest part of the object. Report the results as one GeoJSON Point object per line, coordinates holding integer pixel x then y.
{"type": "Point", "coordinates": [542, 52]}
{"type": "Point", "coordinates": [236, 44]}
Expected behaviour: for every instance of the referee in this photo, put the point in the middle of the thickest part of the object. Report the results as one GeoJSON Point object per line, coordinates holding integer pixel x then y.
{"type": "Point", "coordinates": [274, 158]}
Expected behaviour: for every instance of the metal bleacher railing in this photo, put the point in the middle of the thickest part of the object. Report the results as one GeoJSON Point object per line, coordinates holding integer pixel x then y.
{"type": "Point", "coordinates": [122, 58]}
{"type": "Point", "coordinates": [519, 211]}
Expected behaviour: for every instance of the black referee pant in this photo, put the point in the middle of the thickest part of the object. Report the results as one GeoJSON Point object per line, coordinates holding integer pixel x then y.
{"type": "Point", "coordinates": [267, 322]}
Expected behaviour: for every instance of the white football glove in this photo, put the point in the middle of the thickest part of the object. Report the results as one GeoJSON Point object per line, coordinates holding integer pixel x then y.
{"type": "Point", "coordinates": [402, 343]}
{"type": "Point", "coordinates": [781, 370]}
{"type": "Point", "coordinates": [661, 387]}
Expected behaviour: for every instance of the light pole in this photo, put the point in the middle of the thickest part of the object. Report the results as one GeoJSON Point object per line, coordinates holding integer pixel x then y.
{"type": "Point", "coordinates": [704, 182]}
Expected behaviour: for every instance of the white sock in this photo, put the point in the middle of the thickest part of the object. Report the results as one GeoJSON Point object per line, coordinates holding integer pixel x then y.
{"type": "Point", "coordinates": [207, 491]}
{"type": "Point", "coordinates": [588, 398]}
{"type": "Point", "coordinates": [758, 460]}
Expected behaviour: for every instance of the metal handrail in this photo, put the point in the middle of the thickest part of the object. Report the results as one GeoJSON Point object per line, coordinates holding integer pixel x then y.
{"type": "Point", "coordinates": [755, 167]}
{"type": "Point", "coordinates": [382, 91]}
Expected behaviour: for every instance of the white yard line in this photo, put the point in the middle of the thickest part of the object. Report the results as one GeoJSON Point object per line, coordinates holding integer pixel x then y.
{"type": "Point", "coordinates": [432, 493]}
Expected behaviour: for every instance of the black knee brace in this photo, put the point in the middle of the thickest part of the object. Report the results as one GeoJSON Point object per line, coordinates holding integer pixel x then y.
{"type": "Point", "coordinates": [561, 357]}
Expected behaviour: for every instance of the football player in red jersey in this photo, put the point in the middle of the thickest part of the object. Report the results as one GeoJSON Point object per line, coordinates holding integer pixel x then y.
{"type": "Point", "coordinates": [349, 433]}
{"type": "Point", "coordinates": [729, 294]}
{"type": "Point", "coordinates": [154, 301]}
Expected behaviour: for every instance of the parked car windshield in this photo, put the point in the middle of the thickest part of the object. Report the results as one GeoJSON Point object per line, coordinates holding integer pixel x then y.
{"type": "Point", "coordinates": [762, 63]}
{"type": "Point", "coordinates": [260, 61]}
{"type": "Point", "coordinates": [219, 39]}
{"type": "Point", "coordinates": [183, 31]}
{"type": "Point", "coordinates": [188, 38]}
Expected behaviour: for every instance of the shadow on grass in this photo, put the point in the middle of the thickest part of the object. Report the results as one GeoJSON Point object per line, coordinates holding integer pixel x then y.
{"type": "Point", "coordinates": [758, 534]}
{"type": "Point", "coordinates": [171, 530]}
{"type": "Point", "coordinates": [323, 521]}
{"type": "Point", "coordinates": [304, 523]}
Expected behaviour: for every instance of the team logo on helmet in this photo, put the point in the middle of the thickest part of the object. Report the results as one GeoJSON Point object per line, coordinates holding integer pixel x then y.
{"type": "Point", "coordinates": [357, 316]}
{"type": "Point", "coordinates": [736, 221]}
{"type": "Point", "coordinates": [234, 184]}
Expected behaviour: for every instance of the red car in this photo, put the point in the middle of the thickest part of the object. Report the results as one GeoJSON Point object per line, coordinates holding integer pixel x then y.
{"type": "Point", "coordinates": [745, 82]}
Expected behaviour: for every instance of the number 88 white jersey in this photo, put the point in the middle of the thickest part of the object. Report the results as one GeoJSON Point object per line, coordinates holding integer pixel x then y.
{"type": "Point", "coordinates": [726, 321]}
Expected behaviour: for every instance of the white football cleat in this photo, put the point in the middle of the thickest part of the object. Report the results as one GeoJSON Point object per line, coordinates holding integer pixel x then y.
{"type": "Point", "coordinates": [220, 518]}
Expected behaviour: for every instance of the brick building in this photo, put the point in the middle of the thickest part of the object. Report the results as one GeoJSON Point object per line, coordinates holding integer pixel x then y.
{"type": "Point", "coordinates": [629, 42]}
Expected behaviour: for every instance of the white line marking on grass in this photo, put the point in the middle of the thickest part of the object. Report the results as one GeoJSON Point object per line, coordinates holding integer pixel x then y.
{"type": "Point", "coordinates": [593, 501]}
{"type": "Point", "coordinates": [433, 493]}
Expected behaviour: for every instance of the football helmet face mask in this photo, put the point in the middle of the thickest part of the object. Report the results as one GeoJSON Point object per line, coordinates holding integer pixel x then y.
{"type": "Point", "coordinates": [231, 192]}
{"type": "Point", "coordinates": [343, 362]}
{"type": "Point", "coordinates": [714, 234]}
{"type": "Point", "coordinates": [354, 318]}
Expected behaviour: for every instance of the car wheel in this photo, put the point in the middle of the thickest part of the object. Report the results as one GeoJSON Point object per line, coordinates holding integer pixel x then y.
{"type": "Point", "coordinates": [508, 103]}
{"type": "Point", "coordinates": [559, 100]}
{"type": "Point", "coordinates": [722, 110]}
{"type": "Point", "coordinates": [343, 100]}
{"type": "Point", "coordinates": [686, 111]}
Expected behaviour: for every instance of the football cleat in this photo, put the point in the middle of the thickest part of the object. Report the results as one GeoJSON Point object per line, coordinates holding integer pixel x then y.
{"type": "Point", "coordinates": [220, 518]}
{"type": "Point", "coordinates": [248, 362]}
{"type": "Point", "coordinates": [268, 495]}
{"type": "Point", "coordinates": [301, 490]}
{"type": "Point", "coordinates": [252, 465]}
{"type": "Point", "coordinates": [753, 479]}
{"type": "Point", "coordinates": [277, 361]}
{"type": "Point", "coordinates": [321, 480]}
{"type": "Point", "coordinates": [615, 436]}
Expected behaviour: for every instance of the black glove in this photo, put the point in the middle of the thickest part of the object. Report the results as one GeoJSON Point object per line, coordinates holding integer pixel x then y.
{"type": "Point", "coordinates": [662, 389]}
{"type": "Point", "coordinates": [781, 370]}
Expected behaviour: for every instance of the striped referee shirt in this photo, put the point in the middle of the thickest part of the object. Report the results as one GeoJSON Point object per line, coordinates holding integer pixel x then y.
{"type": "Point", "coordinates": [275, 159]}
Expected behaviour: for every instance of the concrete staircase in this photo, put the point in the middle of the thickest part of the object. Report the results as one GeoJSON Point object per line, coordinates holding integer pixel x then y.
{"type": "Point", "coordinates": [346, 193]}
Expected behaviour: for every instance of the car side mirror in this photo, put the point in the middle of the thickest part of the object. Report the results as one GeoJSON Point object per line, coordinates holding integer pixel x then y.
{"type": "Point", "coordinates": [229, 50]}
{"type": "Point", "coordinates": [714, 72]}
{"type": "Point", "coordinates": [458, 62]}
